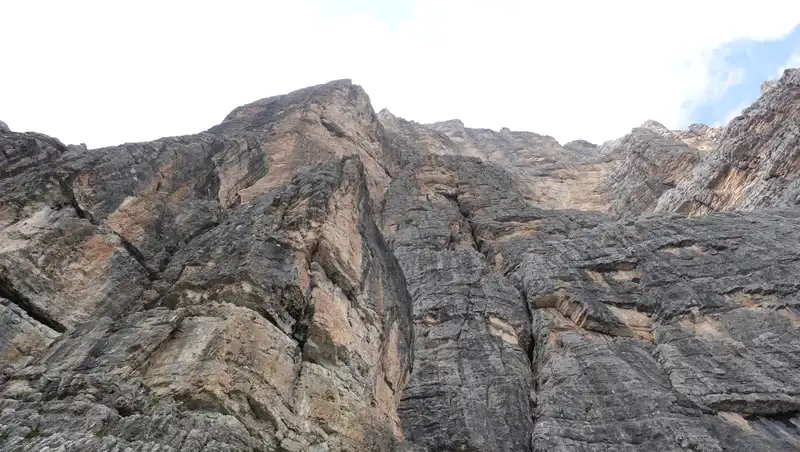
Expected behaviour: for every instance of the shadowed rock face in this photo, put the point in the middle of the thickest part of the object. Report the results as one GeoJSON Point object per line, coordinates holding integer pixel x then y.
{"type": "Point", "coordinates": [310, 275]}
{"type": "Point", "coordinates": [472, 328]}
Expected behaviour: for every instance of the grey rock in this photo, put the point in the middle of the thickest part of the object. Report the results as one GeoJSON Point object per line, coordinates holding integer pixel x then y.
{"type": "Point", "coordinates": [647, 164]}
{"type": "Point", "coordinates": [700, 136]}
{"type": "Point", "coordinates": [655, 127]}
{"type": "Point", "coordinates": [756, 163]}
{"type": "Point", "coordinates": [199, 307]}
{"type": "Point", "coordinates": [767, 86]}
{"type": "Point", "coordinates": [4, 127]}
{"type": "Point", "coordinates": [581, 146]}
{"type": "Point", "coordinates": [547, 173]}
{"type": "Point", "coordinates": [22, 337]}
{"type": "Point", "coordinates": [310, 275]}
{"type": "Point", "coordinates": [471, 381]}
{"type": "Point", "coordinates": [661, 313]}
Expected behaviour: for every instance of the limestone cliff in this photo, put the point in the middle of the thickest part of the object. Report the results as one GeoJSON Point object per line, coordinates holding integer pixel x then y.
{"type": "Point", "coordinates": [310, 275]}
{"type": "Point", "coordinates": [757, 162]}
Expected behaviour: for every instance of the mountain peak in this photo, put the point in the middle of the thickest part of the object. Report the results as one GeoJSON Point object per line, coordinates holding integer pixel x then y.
{"type": "Point", "coordinates": [655, 126]}
{"type": "Point", "coordinates": [580, 146]}
{"type": "Point", "coordinates": [767, 86]}
{"type": "Point", "coordinates": [255, 115]}
{"type": "Point", "coordinates": [450, 123]}
{"type": "Point", "coordinates": [790, 77]}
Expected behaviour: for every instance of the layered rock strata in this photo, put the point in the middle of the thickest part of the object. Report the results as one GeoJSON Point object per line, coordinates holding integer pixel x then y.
{"type": "Point", "coordinates": [311, 275]}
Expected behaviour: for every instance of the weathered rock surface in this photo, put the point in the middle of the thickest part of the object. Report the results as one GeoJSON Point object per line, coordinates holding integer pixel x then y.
{"type": "Point", "coordinates": [767, 86]}
{"type": "Point", "coordinates": [310, 275]}
{"type": "Point", "coordinates": [647, 163]}
{"type": "Point", "coordinates": [625, 177]}
{"type": "Point", "coordinates": [201, 306]}
{"type": "Point", "coordinates": [757, 162]}
{"type": "Point", "coordinates": [472, 381]}
{"type": "Point", "coordinates": [665, 334]}
{"type": "Point", "coordinates": [547, 173]}
{"type": "Point", "coordinates": [581, 146]}
{"type": "Point", "coordinates": [271, 139]}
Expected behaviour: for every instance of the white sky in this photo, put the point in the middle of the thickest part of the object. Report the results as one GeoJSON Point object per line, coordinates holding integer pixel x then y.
{"type": "Point", "coordinates": [101, 73]}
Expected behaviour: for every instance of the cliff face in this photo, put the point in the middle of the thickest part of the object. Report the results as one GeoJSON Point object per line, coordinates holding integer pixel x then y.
{"type": "Point", "coordinates": [756, 165]}
{"type": "Point", "coordinates": [311, 275]}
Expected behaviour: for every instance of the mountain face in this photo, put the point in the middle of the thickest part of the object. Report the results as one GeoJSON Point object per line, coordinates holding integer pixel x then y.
{"type": "Point", "coordinates": [310, 275]}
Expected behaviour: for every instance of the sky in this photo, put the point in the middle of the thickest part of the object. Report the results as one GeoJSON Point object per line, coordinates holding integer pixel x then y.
{"type": "Point", "coordinates": [738, 69]}
{"type": "Point", "coordinates": [104, 73]}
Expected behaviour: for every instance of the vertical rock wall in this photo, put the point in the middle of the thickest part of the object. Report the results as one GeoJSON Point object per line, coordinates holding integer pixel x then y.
{"type": "Point", "coordinates": [312, 276]}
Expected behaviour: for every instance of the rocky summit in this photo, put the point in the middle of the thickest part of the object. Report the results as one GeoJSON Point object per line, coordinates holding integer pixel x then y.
{"type": "Point", "coordinates": [312, 275]}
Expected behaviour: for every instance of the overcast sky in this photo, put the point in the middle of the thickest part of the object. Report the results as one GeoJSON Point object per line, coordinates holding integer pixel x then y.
{"type": "Point", "coordinates": [100, 73]}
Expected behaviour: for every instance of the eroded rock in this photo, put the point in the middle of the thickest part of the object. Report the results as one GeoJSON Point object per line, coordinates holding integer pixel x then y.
{"type": "Point", "coordinates": [310, 275]}
{"type": "Point", "coordinates": [756, 164]}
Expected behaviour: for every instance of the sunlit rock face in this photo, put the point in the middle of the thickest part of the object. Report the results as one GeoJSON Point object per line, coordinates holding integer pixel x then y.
{"type": "Point", "coordinates": [229, 290]}
{"type": "Point", "coordinates": [311, 275]}
{"type": "Point", "coordinates": [756, 164]}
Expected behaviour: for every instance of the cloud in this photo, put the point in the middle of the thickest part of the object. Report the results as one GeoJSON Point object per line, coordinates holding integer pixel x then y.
{"type": "Point", "coordinates": [736, 72]}
{"type": "Point", "coordinates": [720, 80]}
{"type": "Point", "coordinates": [101, 73]}
{"type": "Point", "coordinates": [792, 62]}
{"type": "Point", "coordinates": [732, 113]}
